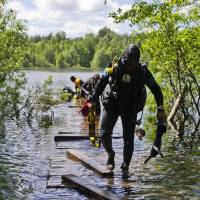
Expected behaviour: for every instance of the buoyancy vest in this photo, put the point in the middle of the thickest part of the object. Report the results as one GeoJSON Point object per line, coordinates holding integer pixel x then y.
{"type": "Point", "coordinates": [128, 91]}
{"type": "Point", "coordinates": [90, 85]}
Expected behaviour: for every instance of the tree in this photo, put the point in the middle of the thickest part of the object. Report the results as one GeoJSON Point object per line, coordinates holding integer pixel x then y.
{"type": "Point", "coordinates": [49, 54]}
{"type": "Point", "coordinates": [101, 59]}
{"type": "Point", "coordinates": [12, 47]}
{"type": "Point", "coordinates": [104, 32]}
{"type": "Point", "coordinates": [60, 36]}
{"type": "Point", "coordinates": [60, 62]}
{"type": "Point", "coordinates": [77, 52]}
{"type": "Point", "coordinates": [169, 33]}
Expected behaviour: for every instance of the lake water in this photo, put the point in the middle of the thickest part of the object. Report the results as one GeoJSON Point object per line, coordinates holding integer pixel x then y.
{"type": "Point", "coordinates": [25, 153]}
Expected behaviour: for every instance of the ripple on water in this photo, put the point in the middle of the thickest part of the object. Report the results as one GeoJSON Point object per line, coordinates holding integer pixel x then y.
{"type": "Point", "coordinates": [25, 164]}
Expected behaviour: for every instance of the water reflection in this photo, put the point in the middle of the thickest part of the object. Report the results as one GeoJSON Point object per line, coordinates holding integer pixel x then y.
{"type": "Point", "coordinates": [25, 152]}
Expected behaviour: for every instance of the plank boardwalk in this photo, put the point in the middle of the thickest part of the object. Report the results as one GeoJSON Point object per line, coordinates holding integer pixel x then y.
{"type": "Point", "coordinates": [70, 137]}
{"type": "Point", "coordinates": [90, 163]}
{"type": "Point", "coordinates": [75, 136]}
{"type": "Point", "coordinates": [65, 171]}
{"type": "Point", "coordinates": [88, 188]}
{"type": "Point", "coordinates": [55, 182]}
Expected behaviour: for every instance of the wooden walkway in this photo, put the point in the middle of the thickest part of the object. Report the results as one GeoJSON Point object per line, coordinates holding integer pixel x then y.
{"type": "Point", "coordinates": [85, 187]}
{"type": "Point", "coordinates": [79, 164]}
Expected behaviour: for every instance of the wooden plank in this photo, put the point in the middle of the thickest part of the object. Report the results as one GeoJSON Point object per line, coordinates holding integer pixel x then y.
{"type": "Point", "coordinates": [65, 132]}
{"type": "Point", "coordinates": [70, 137]}
{"type": "Point", "coordinates": [59, 172]}
{"type": "Point", "coordinates": [55, 182]}
{"type": "Point", "coordinates": [83, 131]}
{"type": "Point", "coordinates": [74, 106]}
{"type": "Point", "coordinates": [83, 144]}
{"type": "Point", "coordinates": [58, 157]}
{"type": "Point", "coordinates": [87, 188]}
{"type": "Point", "coordinates": [117, 137]}
{"type": "Point", "coordinates": [90, 163]}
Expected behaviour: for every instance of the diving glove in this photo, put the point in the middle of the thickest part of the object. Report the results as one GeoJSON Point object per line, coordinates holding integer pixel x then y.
{"type": "Point", "coordinates": [161, 128]}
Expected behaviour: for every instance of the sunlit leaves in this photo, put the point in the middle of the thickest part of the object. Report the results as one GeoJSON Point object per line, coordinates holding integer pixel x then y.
{"type": "Point", "coordinates": [170, 35]}
{"type": "Point", "coordinates": [90, 51]}
{"type": "Point", "coordinates": [12, 45]}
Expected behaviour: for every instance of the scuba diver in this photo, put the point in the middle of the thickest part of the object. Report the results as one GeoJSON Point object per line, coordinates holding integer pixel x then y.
{"type": "Point", "coordinates": [67, 94]}
{"type": "Point", "coordinates": [88, 88]}
{"type": "Point", "coordinates": [78, 83]}
{"type": "Point", "coordinates": [69, 90]}
{"type": "Point", "coordinates": [121, 84]}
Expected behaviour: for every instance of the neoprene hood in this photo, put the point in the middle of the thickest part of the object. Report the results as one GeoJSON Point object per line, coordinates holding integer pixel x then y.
{"type": "Point", "coordinates": [132, 53]}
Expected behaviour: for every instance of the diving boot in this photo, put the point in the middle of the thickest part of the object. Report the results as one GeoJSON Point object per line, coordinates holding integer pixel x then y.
{"type": "Point", "coordinates": [111, 161]}
{"type": "Point", "coordinates": [125, 172]}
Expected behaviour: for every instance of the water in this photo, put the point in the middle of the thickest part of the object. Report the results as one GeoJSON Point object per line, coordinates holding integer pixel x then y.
{"type": "Point", "coordinates": [25, 153]}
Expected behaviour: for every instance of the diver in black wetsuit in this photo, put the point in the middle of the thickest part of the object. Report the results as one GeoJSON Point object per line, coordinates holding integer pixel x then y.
{"type": "Point", "coordinates": [124, 80]}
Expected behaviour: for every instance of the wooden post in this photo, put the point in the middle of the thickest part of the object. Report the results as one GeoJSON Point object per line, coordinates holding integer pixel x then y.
{"type": "Point", "coordinates": [170, 119]}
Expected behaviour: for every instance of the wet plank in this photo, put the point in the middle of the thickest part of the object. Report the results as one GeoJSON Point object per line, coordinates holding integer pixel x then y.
{"type": "Point", "coordinates": [57, 169]}
{"type": "Point", "coordinates": [55, 182]}
{"type": "Point", "coordinates": [74, 106]}
{"type": "Point", "coordinates": [117, 137]}
{"type": "Point", "coordinates": [65, 132]}
{"type": "Point", "coordinates": [70, 137]}
{"type": "Point", "coordinates": [89, 162]}
{"type": "Point", "coordinates": [76, 144]}
{"type": "Point", "coordinates": [87, 188]}
{"type": "Point", "coordinates": [83, 131]}
{"type": "Point", "coordinates": [58, 157]}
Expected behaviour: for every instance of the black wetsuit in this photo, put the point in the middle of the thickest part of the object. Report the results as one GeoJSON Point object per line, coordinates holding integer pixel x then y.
{"type": "Point", "coordinates": [88, 88]}
{"type": "Point", "coordinates": [122, 100]}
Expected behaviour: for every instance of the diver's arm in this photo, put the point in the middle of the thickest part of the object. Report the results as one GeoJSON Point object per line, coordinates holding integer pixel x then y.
{"type": "Point", "coordinates": [84, 87]}
{"type": "Point", "coordinates": [161, 116]}
{"type": "Point", "coordinates": [100, 86]}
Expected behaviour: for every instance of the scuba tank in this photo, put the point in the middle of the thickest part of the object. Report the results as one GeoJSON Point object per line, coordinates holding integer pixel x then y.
{"type": "Point", "coordinates": [88, 110]}
{"type": "Point", "coordinates": [91, 120]}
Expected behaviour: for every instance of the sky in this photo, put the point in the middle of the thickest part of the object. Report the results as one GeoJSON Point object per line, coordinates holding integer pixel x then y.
{"type": "Point", "coordinates": [75, 17]}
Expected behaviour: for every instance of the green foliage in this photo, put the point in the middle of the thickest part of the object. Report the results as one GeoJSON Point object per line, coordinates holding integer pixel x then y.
{"type": "Point", "coordinates": [169, 34]}
{"type": "Point", "coordinates": [101, 59]}
{"type": "Point", "coordinates": [58, 51]}
{"type": "Point", "coordinates": [104, 32]}
{"type": "Point", "coordinates": [12, 46]}
{"type": "Point", "coordinates": [65, 96]}
{"type": "Point", "coordinates": [38, 103]}
{"type": "Point", "coordinates": [44, 98]}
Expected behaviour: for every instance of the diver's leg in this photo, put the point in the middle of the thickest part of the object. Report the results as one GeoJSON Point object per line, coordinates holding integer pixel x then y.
{"type": "Point", "coordinates": [108, 122]}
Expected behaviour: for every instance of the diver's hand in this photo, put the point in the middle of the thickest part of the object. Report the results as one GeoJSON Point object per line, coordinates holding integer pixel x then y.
{"type": "Point", "coordinates": [155, 151]}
